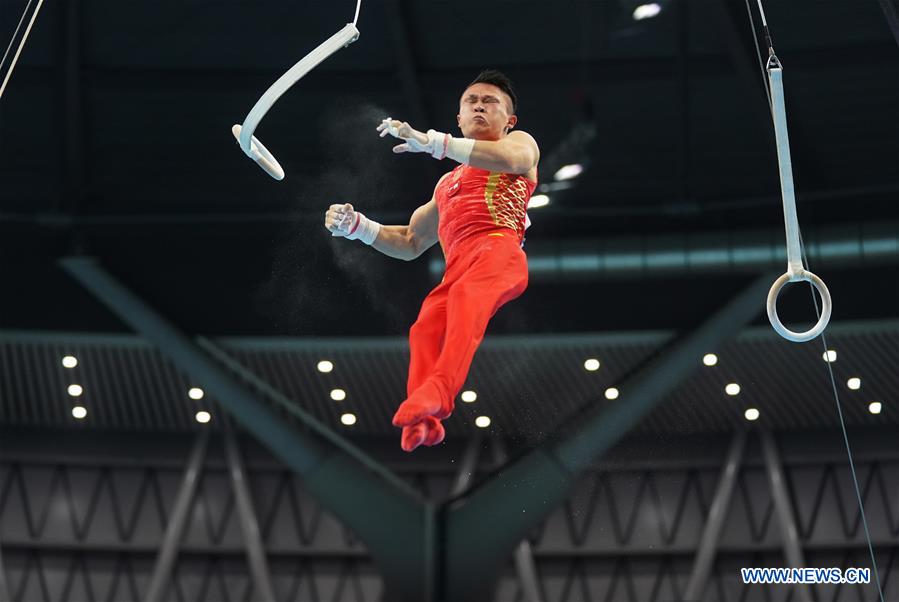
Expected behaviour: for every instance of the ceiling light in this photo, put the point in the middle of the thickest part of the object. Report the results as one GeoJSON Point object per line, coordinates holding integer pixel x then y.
{"type": "Point", "coordinates": [854, 383]}
{"type": "Point", "coordinates": [611, 393]}
{"type": "Point", "coordinates": [875, 407]}
{"type": "Point", "coordinates": [647, 11]}
{"type": "Point", "coordinates": [469, 396]}
{"type": "Point", "coordinates": [830, 356]}
{"type": "Point", "coordinates": [732, 389]}
{"type": "Point", "coordinates": [592, 365]}
{"type": "Point", "coordinates": [69, 361]}
{"type": "Point", "coordinates": [751, 414]}
{"type": "Point", "coordinates": [75, 390]}
{"type": "Point", "coordinates": [710, 359]}
{"type": "Point", "coordinates": [538, 200]}
{"type": "Point", "coordinates": [203, 417]}
{"type": "Point", "coordinates": [195, 393]}
{"type": "Point", "coordinates": [348, 419]}
{"type": "Point", "coordinates": [567, 172]}
{"type": "Point", "coordinates": [79, 412]}
{"type": "Point", "coordinates": [482, 421]}
{"type": "Point", "coordinates": [325, 366]}
{"type": "Point", "coordinates": [338, 394]}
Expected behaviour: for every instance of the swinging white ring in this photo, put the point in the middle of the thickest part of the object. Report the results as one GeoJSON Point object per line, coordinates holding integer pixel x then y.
{"type": "Point", "coordinates": [251, 145]}
{"type": "Point", "coordinates": [826, 306]}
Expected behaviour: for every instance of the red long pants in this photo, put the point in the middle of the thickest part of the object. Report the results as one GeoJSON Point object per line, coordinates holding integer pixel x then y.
{"type": "Point", "coordinates": [482, 274]}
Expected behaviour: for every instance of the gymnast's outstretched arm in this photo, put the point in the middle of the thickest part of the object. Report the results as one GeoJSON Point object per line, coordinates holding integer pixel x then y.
{"type": "Point", "coordinates": [401, 242]}
{"type": "Point", "coordinates": [516, 152]}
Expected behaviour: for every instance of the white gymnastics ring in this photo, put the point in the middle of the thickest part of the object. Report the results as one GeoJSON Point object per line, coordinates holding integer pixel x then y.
{"type": "Point", "coordinates": [826, 306]}
{"type": "Point", "coordinates": [251, 145]}
{"type": "Point", "coordinates": [796, 271]}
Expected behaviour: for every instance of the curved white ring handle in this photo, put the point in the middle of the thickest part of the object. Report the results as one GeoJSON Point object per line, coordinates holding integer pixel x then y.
{"type": "Point", "coordinates": [826, 306]}
{"type": "Point", "coordinates": [244, 134]}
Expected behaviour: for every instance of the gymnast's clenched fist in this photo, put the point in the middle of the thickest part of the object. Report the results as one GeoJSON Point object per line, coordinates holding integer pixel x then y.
{"type": "Point", "coordinates": [344, 221]}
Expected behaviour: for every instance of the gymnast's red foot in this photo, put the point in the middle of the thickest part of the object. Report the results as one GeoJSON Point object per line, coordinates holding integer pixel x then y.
{"type": "Point", "coordinates": [427, 432]}
{"type": "Point", "coordinates": [424, 401]}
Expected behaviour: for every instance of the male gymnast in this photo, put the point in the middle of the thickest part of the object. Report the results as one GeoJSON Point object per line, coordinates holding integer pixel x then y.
{"type": "Point", "coordinates": [478, 215]}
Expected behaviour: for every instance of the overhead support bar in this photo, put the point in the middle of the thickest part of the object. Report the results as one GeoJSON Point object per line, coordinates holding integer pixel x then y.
{"type": "Point", "coordinates": [523, 557]}
{"type": "Point", "coordinates": [711, 532]}
{"type": "Point", "coordinates": [405, 53]}
{"type": "Point", "coordinates": [784, 509]}
{"type": "Point", "coordinates": [262, 580]}
{"type": "Point", "coordinates": [468, 466]}
{"type": "Point", "coordinates": [891, 11]}
{"type": "Point", "coordinates": [174, 531]}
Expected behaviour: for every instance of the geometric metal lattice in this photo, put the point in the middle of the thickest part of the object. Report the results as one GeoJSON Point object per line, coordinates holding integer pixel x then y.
{"type": "Point", "coordinates": [634, 511]}
{"type": "Point", "coordinates": [88, 528]}
{"type": "Point", "coordinates": [52, 576]}
{"type": "Point", "coordinates": [128, 508]}
{"type": "Point", "coordinates": [664, 577]}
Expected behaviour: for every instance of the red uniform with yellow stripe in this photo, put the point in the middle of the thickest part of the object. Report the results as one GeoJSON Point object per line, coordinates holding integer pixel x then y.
{"type": "Point", "coordinates": [483, 216]}
{"type": "Point", "coordinates": [474, 201]}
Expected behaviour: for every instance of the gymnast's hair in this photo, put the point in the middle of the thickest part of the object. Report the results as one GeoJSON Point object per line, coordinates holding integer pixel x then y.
{"type": "Point", "coordinates": [498, 79]}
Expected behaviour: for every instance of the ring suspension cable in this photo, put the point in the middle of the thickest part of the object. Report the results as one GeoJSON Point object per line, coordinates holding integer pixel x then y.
{"type": "Point", "coordinates": [832, 379]}
{"type": "Point", "coordinates": [839, 405]}
{"type": "Point", "coordinates": [758, 52]}
{"type": "Point", "coordinates": [15, 33]}
{"type": "Point", "coordinates": [15, 58]}
{"type": "Point", "coordinates": [765, 27]}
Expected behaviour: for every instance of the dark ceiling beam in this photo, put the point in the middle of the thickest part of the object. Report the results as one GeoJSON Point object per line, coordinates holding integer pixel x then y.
{"type": "Point", "coordinates": [525, 492]}
{"type": "Point", "coordinates": [100, 221]}
{"type": "Point", "coordinates": [328, 81]}
{"type": "Point", "coordinates": [734, 21]}
{"type": "Point", "coordinates": [683, 73]}
{"type": "Point", "coordinates": [397, 16]}
{"type": "Point", "coordinates": [891, 11]}
{"type": "Point", "coordinates": [388, 515]}
{"type": "Point", "coordinates": [738, 36]}
{"type": "Point", "coordinates": [71, 108]}
{"type": "Point", "coordinates": [842, 246]}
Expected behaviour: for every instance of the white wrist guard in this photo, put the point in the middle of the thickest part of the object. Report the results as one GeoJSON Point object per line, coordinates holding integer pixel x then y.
{"type": "Point", "coordinates": [363, 229]}
{"type": "Point", "coordinates": [442, 145]}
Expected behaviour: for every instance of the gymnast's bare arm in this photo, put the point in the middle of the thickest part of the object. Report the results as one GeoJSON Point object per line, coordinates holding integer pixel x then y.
{"type": "Point", "coordinates": [400, 242]}
{"type": "Point", "coordinates": [409, 242]}
{"type": "Point", "coordinates": [516, 153]}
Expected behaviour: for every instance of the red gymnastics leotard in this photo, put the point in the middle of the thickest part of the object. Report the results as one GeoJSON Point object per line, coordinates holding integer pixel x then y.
{"type": "Point", "coordinates": [482, 219]}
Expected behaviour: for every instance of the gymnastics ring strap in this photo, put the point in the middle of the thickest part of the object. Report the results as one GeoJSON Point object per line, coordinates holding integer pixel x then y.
{"type": "Point", "coordinates": [251, 145]}
{"type": "Point", "coordinates": [796, 271]}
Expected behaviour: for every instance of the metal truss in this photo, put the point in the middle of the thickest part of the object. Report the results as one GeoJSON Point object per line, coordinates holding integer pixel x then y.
{"type": "Point", "coordinates": [664, 577]}
{"type": "Point", "coordinates": [51, 576]}
{"type": "Point", "coordinates": [75, 531]}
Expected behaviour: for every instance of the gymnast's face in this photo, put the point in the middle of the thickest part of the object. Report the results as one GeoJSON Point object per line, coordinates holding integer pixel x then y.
{"type": "Point", "coordinates": [485, 113]}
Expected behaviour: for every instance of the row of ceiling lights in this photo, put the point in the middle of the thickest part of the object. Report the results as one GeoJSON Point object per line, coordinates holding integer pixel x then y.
{"type": "Point", "coordinates": [80, 412]}
{"type": "Point", "coordinates": [830, 356]}
{"type": "Point", "coordinates": [469, 396]}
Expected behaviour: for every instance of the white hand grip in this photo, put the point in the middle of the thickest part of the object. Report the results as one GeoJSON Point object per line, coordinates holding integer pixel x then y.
{"type": "Point", "coordinates": [826, 306]}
